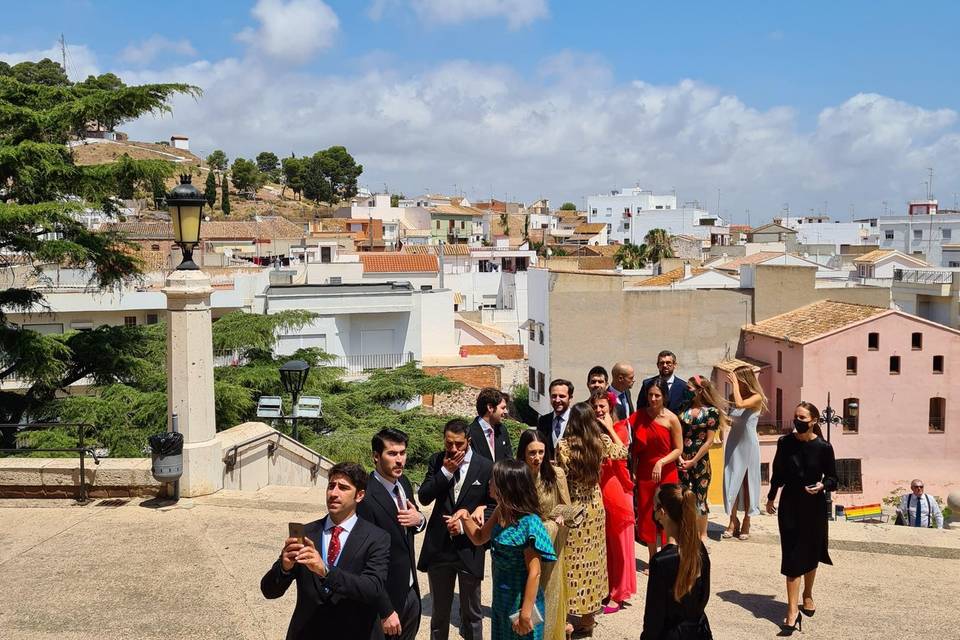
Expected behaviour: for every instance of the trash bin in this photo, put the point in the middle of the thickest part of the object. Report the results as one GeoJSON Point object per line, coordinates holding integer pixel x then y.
{"type": "Point", "coordinates": [167, 453]}
{"type": "Point", "coordinates": [840, 511]}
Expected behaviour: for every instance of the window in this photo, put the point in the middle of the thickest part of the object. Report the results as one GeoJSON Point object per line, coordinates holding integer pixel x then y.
{"type": "Point", "coordinates": [626, 210]}
{"type": "Point", "coordinates": [938, 413]}
{"type": "Point", "coordinates": [540, 383]}
{"type": "Point", "coordinates": [626, 226]}
{"type": "Point", "coordinates": [532, 330]}
{"type": "Point", "coordinates": [946, 233]}
{"type": "Point", "coordinates": [152, 318]}
{"type": "Point", "coordinates": [780, 408]}
{"type": "Point", "coordinates": [325, 255]}
{"type": "Point", "coordinates": [129, 321]}
{"type": "Point", "coordinates": [764, 473]}
{"type": "Point", "coordinates": [779, 361]}
{"type": "Point", "coordinates": [540, 327]}
{"type": "Point", "coordinates": [851, 365]}
{"type": "Point", "coordinates": [895, 364]}
{"type": "Point", "coordinates": [154, 247]}
{"type": "Point", "coordinates": [918, 234]}
{"type": "Point", "coordinates": [849, 477]}
{"type": "Point", "coordinates": [888, 234]}
{"type": "Point", "coordinates": [873, 341]}
{"type": "Point", "coordinates": [593, 211]}
{"type": "Point", "coordinates": [938, 364]}
{"type": "Point", "coordinates": [532, 378]}
{"type": "Point", "coordinates": [851, 415]}
{"type": "Point", "coordinates": [916, 341]}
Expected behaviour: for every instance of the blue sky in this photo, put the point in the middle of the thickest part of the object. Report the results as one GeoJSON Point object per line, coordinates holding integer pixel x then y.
{"type": "Point", "coordinates": [771, 103]}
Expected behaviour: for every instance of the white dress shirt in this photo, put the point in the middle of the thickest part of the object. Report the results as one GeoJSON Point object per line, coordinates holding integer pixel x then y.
{"type": "Point", "coordinates": [389, 486]}
{"type": "Point", "coordinates": [928, 508]}
{"type": "Point", "coordinates": [464, 466]}
{"type": "Point", "coordinates": [347, 526]}
{"type": "Point", "coordinates": [563, 426]}
{"type": "Point", "coordinates": [488, 435]}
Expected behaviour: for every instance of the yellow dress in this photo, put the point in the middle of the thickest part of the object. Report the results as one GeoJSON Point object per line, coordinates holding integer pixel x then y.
{"type": "Point", "coordinates": [585, 553]}
{"type": "Point", "coordinates": [553, 574]}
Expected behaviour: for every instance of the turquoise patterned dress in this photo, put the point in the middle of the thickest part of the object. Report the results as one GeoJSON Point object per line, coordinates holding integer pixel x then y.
{"type": "Point", "coordinates": [510, 572]}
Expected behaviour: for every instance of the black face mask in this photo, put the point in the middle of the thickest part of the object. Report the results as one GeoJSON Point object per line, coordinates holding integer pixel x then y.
{"type": "Point", "coordinates": [801, 426]}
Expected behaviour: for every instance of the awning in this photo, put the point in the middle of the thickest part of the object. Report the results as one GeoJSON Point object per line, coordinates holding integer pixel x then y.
{"type": "Point", "coordinates": [458, 298]}
{"type": "Point", "coordinates": [235, 248]}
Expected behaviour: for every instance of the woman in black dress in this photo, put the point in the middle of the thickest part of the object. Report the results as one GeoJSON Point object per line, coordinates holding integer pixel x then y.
{"type": "Point", "coordinates": [679, 584]}
{"type": "Point", "coordinates": [804, 466]}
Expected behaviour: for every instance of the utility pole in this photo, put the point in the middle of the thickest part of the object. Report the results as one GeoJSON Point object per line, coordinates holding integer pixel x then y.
{"type": "Point", "coordinates": [63, 53]}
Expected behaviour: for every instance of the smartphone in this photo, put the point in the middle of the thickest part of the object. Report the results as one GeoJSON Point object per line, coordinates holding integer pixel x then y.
{"type": "Point", "coordinates": [296, 531]}
{"type": "Point", "coordinates": [812, 486]}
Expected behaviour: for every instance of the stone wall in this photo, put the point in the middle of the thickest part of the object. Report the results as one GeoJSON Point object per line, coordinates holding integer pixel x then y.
{"type": "Point", "coordinates": [60, 478]}
{"type": "Point", "coordinates": [502, 351]}
{"type": "Point", "coordinates": [477, 376]}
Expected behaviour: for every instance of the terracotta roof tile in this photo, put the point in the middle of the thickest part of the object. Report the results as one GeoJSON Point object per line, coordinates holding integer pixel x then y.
{"type": "Point", "coordinates": [398, 263]}
{"type": "Point", "coordinates": [590, 228]}
{"type": "Point", "coordinates": [269, 227]}
{"type": "Point", "coordinates": [814, 320]}
{"type": "Point", "coordinates": [733, 364]}
{"type": "Point", "coordinates": [668, 278]}
{"type": "Point", "coordinates": [875, 256]}
{"type": "Point", "coordinates": [756, 258]}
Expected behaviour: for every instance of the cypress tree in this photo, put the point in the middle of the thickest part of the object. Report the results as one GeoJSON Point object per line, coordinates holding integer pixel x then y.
{"type": "Point", "coordinates": [225, 195]}
{"type": "Point", "coordinates": [211, 189]}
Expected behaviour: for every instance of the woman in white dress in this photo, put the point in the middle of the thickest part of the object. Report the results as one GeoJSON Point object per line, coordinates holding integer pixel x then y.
{"type": "Point", "coordinates": [741, 452]}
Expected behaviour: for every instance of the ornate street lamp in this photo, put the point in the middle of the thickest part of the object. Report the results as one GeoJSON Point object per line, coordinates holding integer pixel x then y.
{"type": "Point", "coordinates": [293, 375]}
{"type": "Point", "coordinates": [828, 418]}
{"type": "Point", "coordinates": [185, 204]}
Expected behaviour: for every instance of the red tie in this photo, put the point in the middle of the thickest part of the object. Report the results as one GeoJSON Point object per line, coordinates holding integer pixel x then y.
{"type": "Point", "coordinates": [334, 549]}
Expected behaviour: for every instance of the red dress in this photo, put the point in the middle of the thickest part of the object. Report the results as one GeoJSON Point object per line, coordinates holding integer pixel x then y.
{"type": "Point", "coordinates": [651, 442]}
{"type": "Point", "coordinates": [617, 489]}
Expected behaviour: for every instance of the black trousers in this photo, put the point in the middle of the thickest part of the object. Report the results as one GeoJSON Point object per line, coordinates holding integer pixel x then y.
{"type": "Point", "coordinates": [442, 578]}
{"type": "Point", "coordinates": [409, 615]}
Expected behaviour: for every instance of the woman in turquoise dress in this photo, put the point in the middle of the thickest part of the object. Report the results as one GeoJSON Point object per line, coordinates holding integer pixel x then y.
{"type": "Point", "coordinates": [519, 543]}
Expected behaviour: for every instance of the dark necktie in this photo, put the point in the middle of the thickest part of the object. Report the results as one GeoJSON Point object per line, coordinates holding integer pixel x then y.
{"type": "Point", "coordinates": [396, 494]}
{"type": "Point", "coordinates": [917, 518]}
{"type": "Point", "coordinates": [334, 551]}
{"type": "Point", "coordinates": [557, 424]}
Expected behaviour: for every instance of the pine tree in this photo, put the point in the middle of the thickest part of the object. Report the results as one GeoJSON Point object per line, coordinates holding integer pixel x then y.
{"type": "Point", "coordinates": [225, 195]}
{"type": "Point", "coordinates": [210, 192]}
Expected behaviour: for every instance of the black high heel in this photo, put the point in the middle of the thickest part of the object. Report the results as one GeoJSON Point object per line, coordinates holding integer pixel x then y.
{"type": "Point", "coordinates": [788, 629]}
{"type": "Point", "coordinates": [807, 612]}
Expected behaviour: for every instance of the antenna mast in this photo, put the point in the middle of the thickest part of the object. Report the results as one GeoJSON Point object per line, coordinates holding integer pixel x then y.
{"type": "Point", "coordinates": [63, 53]}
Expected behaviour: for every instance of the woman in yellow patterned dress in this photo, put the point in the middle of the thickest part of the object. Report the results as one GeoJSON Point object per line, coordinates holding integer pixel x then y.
{"type": "Point", "coordinates": [552, 490]}
{"type": "Point", "coordinates": [581, 451]}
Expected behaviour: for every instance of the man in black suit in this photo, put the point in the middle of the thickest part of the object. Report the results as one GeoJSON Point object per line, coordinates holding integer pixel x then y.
{"type": "Point", "coordinates": [389, 505]}
{"type": "Point", "coordinates": [488, 435]}
{"type": "Point", "coordinates": [676, 385]}
{"type": "Point", "coordinates": [456, 479]}
{"type": "Point", "coordinates": [552, 425]}
{"type": "Point", "coordinates": [339, 567]}
{"type": "Point", "coordinates": [623, 376]}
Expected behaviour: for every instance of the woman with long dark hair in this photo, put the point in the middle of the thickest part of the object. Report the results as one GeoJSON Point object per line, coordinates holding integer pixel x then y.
{"type": "Point", "coordinates": [804, 467]}
{"type": "Point", "coordinates": [518, 545]}
{"type": "Point", "coordinates": [580, 453]}
{"type": "Point", "coordinates": [700, 421]}
{"type": "Point", "coordinates": [551, 483]}
{"type": "Point", "coordinates": [679, 585]}
{"type": "Point", "coordinates": [616, 487]}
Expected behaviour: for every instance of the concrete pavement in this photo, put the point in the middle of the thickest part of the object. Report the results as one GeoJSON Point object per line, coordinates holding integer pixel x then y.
{"type": "Point", "coordinates": [193, 571]}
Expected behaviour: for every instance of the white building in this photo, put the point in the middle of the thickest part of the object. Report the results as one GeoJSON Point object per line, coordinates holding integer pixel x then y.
{"type": "Point", "coordinates": [925, 233]}
{"type": "Point", "coordinates": [618, 209]}
{"type": "Point", "coordinates": [819, 230]}
{"type": "Point", "coordinates": [397, 221]}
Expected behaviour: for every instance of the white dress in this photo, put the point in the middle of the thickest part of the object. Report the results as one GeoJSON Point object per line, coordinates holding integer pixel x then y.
{"type": "Point", "coordinates": [741, 459]}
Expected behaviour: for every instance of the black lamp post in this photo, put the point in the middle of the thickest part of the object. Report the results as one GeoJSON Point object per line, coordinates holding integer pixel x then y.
{"type": "Point", "coordinates": [185, 204]}
{"type": "Point", "coordinates": [828, 418]}
{"type": "Point", "coordinates": [293, 375]}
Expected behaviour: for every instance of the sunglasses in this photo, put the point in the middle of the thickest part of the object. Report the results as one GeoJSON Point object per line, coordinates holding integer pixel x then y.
{"type": "Point", "coordinates": [917, 486]}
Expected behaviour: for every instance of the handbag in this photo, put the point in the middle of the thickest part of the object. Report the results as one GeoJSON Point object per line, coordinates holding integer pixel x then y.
{"type": "Point", "coordinates": [573, 514]}
{"type": "Point", "coordinates": [691, 630]}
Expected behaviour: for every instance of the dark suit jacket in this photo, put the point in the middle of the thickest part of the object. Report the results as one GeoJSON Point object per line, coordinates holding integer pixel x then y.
{"type": "Point", "coordinates": [438, 545]}
{"type": "Point", "coordinates": [623, 413]}
{"type": "Point", "coordinates": [343, 604]}
{"type": "Point", "coordinates": [501, 438]}
{"type": "Point", "coordinates": [380, 508]}
{"type": "Point", "coordinates": [674, 402]}
{"type": "Point", "coordinates": [545, 427]}
{"type": "Point", "coordinates": [663, 616]}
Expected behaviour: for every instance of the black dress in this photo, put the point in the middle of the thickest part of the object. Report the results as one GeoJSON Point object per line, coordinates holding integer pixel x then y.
{"type": "Point", "coordinates": [663, 617]}
{"type": "Point", "coordinates": [802, 516]}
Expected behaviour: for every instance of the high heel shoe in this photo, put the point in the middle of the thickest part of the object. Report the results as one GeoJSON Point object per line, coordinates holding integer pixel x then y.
{"type": "Point", "coordinates": [808, 612]}
{"type": "Point", "coordinates": [788, 629]}
{"type": "Point", "coordinates": [732, 531]}
{"type": "Point", "coordinates": [744, 529]}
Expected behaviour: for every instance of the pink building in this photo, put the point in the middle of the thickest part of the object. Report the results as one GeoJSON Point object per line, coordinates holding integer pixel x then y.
{"type": "Point", "coordinates": [892, 376]}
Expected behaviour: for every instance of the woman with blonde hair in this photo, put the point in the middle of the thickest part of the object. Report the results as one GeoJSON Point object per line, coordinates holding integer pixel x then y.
{"type": "Point", "coordinates": [581, 453]}
{"type": "Point", "coordinates": [741, 452]}
{"type": "Point", "coordinates": [679, 585]}
{"type": "Point", "coordinates": [700, 422]}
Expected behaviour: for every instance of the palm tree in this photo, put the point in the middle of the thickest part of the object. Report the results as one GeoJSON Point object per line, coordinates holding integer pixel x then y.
{"type": "Point", "coordinates": [631, 256]}
{"type": "Point", "coordinates": [658, 245]}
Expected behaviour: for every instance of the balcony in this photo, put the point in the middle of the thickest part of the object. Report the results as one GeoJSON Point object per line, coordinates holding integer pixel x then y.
{"type": "Point", "coordinates": [361, 363]}
{"type": "Point", "coordinates": [928, 282]}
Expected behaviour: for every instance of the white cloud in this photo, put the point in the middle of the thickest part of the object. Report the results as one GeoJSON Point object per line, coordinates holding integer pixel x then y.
{"type": "Point", "coordinates": [518, 13]}
{"type": "Point", "coordinates": [493, 130]}
{"type": "Point", "coordinates": [291, 30]}
{"type": "Point", "coordinates": [81, 61]}
{"type": "Point", "coordinates": [146, 51]}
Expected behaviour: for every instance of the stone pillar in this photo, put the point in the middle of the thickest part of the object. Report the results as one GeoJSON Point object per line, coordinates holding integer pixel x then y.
{"type": "Point", "coordinates": [190, 381]}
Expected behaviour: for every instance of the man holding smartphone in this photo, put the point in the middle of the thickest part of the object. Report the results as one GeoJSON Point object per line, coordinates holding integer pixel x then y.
{"type": "Point", "coordinates": [340, 566]}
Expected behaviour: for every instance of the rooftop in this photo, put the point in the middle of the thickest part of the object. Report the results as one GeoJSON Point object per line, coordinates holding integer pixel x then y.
{"type": "Point", "coordinates": [670, 277]}
{"type": "Point", "coordinates": [877, 255]}
{"type": "Point", "coordinates": [734, 264]}
{"type": "Point", "coordinates": [808, 323]}
{"type": "Point", "coordinates": [732, 364]}
{"type": "Point", "coordinates": [399, 263]}
{"type": "Point", "coordinates": [398, 286]}
{"type": "Point", "coordinates": [266, 227]}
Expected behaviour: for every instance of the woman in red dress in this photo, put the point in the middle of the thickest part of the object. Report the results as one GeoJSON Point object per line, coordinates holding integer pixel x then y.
{"type": "Point", "coordinates": [616, 486]}
{"type": "Point", "coordinates": [657, 444]}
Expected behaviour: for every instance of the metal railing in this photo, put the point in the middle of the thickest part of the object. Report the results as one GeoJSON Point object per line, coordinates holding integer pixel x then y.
{"type": "Point", "coordinates": [81, 449]}
{"type": "Point", "coordinates": [360, 363]}
{"type": "Point", "coordinates": [923, 276]}
{"type": "Point", "coordinates": [230, 457]}
{"type": "Point", "coordinates": [229, 358]}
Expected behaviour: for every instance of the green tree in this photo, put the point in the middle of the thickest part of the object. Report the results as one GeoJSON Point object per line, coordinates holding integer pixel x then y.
{"type": "Point", "coordinates": [396, 198]}
{"type": "Point", "coordinates": [210, 189]}
{"type": "Point", "coordinates": [631, 256]}
{"type": "Point", "coordinates": [217, 160]}
{"type": "Point", "coordinates": [245, 175]}
{"type": "Point", "coordinates": [269, 165]}
{"type": "Point", "coordinates": [658, 245]}
{"type": "Point", "coordinates": [225, 195]}
{"type": "Point", "coordinates": [292, 169]}
{"type": "Point", "coordinates": [568, 206]}
{"type": "Point", "coordinates": [42, 193]}
{"type": "Point", "coordinates": [316, 186]}
{"type": "Point", "coordinates": [341, 171]}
